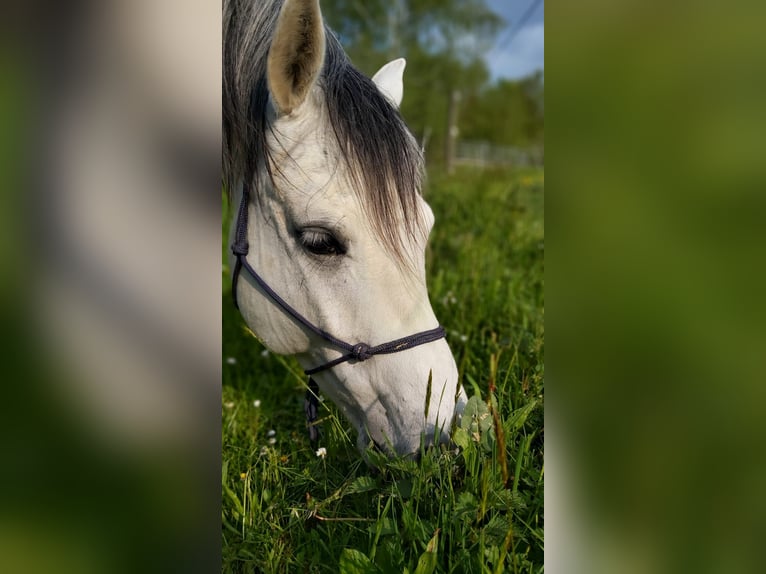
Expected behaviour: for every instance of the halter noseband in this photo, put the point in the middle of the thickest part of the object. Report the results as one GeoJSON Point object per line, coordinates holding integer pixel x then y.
{"type": "Point", "coordinates": [357, 352]}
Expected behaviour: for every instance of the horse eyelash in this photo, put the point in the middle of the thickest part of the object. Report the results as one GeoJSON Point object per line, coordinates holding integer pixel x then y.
{"type": "Point", "coordinates": [321, 242]}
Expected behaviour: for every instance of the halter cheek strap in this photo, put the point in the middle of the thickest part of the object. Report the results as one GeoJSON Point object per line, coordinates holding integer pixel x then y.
{"type": "Point", "coordinates": [356, 352]}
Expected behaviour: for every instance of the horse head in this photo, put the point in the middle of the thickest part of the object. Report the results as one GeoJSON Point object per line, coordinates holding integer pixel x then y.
{"type": "Point", "coordinates": [336, 226]}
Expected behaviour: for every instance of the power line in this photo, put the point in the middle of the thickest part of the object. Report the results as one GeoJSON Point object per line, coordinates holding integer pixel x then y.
{"type": "Point", "coordinates": [513, 32]}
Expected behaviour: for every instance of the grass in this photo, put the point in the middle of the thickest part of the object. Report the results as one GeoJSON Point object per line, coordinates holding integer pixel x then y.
{"type": "Point", "coordinates": [476, 506]}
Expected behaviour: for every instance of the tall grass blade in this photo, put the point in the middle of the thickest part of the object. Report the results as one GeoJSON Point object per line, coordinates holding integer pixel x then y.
{"type": "Point", "coordinates": [428, 560]}
{"type": "Point", "coordinates": [428, 391]}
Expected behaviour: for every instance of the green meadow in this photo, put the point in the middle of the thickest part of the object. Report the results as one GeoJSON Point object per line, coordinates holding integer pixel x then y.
{"type": "Point", "coordinates": [473, 506]}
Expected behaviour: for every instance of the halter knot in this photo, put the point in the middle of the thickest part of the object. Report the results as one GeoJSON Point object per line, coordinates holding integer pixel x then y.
{"type": "Point", "coordinates": [240, 248]}
{"type": "Point", "coordinates": [361, 352]}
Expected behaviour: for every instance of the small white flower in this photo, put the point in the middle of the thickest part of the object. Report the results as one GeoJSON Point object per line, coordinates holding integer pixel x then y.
{"type": "Point", "coordinates": [231, 360]}
{"type": "Point", "coordinates": [229, 404]}
{"type": "Point", "coordinates": [463, 338]}
{"type": "Point", "coordinates": [257, 403]}
{"type": "Point", "coordinates": [322, 452]}
{"type": "Point", "coordinates": [264, 450]}
{"type": "Point", "coordinates": [272, 432]}
{"type": "Point", "coordinates": [272, 440]}
{"type": "Point", "coordinates": [265, 353]}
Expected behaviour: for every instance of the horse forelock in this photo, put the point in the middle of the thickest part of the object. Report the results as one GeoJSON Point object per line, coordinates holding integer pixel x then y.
{"type": "Point", "coordinates": [383, 162]}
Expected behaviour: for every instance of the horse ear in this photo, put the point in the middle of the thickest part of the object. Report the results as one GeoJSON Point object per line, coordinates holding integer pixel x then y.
{"type": "Point", "coordinates": [389, 80]}
{"type": "Point", "coordinates": [296, 54]}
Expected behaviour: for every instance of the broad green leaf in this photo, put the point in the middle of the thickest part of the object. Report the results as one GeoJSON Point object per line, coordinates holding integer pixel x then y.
{"type": "Point", "coordinates": [354, 562]}
{"type": "Point", "coordinates": [361, 484]}
{"type": "Point", "coordinates": [473, 408]}
{"type": "Point", "coordinates": [466, 507]}
{"type": "Point", "coordinates": [476, 421]}
{"type": "Point", "coordinates": [519, 416]}
{"type": "Point", "coordinates": [461, 438]}
{"type": "Point", "coordinates": [496, 530]}
{"type": "Point", "coordinates": [427, 561]}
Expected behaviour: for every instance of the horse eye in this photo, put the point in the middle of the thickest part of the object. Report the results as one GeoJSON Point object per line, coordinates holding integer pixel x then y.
{"type": "Point", "coordinates": [321, 242]}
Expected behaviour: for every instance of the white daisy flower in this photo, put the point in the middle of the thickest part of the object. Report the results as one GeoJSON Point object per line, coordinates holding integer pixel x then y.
{"type": "Point", "coordinates": [231, 360]}
{"type": "Point", "coordinates": [322, 452]}
{"type": "Point", "coordinates": [272, 432]}
{"type": "Point", "coordinates": [257, 403]}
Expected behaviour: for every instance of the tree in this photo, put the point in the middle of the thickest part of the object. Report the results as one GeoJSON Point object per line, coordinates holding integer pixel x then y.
{"type": "Point", "coordinates": [443, 40]}
{"type": "Point", "coordinates": [507, 113]}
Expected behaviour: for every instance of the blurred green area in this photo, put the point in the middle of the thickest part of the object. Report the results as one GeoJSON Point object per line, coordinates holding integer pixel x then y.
{"type": "Point", "coordinates": [74, 496]}
{"type": "Point", "coordinates": [656, 280]}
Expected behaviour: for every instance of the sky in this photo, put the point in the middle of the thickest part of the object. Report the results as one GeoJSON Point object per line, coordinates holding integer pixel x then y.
{"type": "Point", "coordinates": [523, 53]}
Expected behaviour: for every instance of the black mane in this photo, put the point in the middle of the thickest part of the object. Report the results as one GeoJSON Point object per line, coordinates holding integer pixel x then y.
{"type": "Point", "coordinates": [382, 158]}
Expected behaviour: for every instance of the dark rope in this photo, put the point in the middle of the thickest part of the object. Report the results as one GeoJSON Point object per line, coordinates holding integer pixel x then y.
{"type": "Point", "coordinates": [311, 408]}
{"type": "Point", "coordinates": [361, 352]}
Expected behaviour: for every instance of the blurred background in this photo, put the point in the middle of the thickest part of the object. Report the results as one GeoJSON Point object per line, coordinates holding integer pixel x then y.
{"type": "Point", "coordinates": [654, 284]}
{"type": "Point", "coordinates": [110, 187]}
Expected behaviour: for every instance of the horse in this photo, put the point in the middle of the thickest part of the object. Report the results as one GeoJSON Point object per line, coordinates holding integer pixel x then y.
{"type": "Point", "coordinates": [329, 238]}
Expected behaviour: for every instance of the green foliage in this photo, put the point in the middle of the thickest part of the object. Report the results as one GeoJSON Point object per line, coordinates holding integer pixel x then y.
{"type": "Point", "coordinates": [461, 29]}
{"type": "Point", "coordinates": [444, 42]}
{"type": "Point", "coordinates": [463, 508]}
{"type": "Point", "coordinates": [429, 81]}
{"type": "Point", "coordinates": [507, 113]}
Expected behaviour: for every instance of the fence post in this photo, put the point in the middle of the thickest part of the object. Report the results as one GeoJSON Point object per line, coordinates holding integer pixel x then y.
{"type": "Point", "coordinates": [452, 131]}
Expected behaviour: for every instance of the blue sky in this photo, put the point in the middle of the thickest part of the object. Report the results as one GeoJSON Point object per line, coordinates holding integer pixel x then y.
{"type": "Point", "coordinates": [525, 53]}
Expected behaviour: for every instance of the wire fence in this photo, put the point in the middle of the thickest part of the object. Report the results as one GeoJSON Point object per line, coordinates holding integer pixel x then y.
{"type": "Point", "coordinates": [483, 154]}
